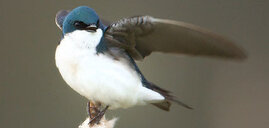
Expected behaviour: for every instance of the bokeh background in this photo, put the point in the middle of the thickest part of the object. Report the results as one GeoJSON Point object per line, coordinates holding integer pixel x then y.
{"type": "Point", "coordinates": [225, 94]}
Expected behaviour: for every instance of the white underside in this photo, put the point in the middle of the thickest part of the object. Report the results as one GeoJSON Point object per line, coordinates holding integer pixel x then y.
{"type": "Point", "coordinates": [97, 76]}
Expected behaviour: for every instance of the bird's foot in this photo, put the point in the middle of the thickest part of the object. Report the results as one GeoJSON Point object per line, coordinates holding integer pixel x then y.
{"type": "Point", "coordinates": [94, 113]}
{"type": "Point", "coordinates": [93, 109]}
{"type": "Point", "coordinates": [98, 117]}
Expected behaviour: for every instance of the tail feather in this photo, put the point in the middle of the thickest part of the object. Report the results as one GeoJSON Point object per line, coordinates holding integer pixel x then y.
{"type": "Point", "coordinates": [179, 102]}
{"type": "Point", "coordinates": [165, 105]}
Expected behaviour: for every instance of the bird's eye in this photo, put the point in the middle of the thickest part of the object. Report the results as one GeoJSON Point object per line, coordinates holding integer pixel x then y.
{"type": "Point", "coordinates": [80, 25]}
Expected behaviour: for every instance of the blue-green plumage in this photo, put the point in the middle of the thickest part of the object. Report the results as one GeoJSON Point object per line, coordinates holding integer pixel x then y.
{"type": "Point", "coordinates": [83, 14]}
{"type": "Point", "coordinates": [101, 47]}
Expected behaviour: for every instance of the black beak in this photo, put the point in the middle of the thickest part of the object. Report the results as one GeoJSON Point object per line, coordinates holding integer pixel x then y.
{"type": "Point", "coordinates": [91, 28]}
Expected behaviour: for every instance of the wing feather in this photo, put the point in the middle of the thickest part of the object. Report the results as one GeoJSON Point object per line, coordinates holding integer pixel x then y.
{"type": "Point", "coordinates": [142, 35]}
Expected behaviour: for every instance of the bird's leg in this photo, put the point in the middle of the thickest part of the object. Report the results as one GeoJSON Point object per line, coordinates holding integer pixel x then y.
{"type": "Point", "coordinates": [98, 117]}
{"type": "Point", "coordinates": [93, 109]}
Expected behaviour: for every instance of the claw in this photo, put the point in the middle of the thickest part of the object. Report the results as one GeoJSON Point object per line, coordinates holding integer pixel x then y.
{"type": "Point", "coordinates": [93, 109]}
{"type": "Point", "coordinates": [96, 119]}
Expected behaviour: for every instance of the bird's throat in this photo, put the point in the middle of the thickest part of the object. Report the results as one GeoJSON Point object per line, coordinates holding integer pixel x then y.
{"type": "Point", "coordinates": [84, 39]}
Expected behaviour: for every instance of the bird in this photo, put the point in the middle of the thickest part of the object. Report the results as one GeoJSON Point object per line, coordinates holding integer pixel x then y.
{"type": "Point", "coordinates": [97, 58]}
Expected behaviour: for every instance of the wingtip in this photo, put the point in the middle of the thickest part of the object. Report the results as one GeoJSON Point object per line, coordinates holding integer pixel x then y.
{"type": "Point", "coordinates": [185, 105]}
{"type": "Point", "coordinates": [237, 55]}
{"type": "Point", "coordinates": [243, 55]}
{"type": "Point", "coordinates": [181, 103]}
{"type": "Point", "coordinates": [59, 18]}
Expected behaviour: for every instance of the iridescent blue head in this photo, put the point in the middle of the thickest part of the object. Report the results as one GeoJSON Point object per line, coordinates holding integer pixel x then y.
{"type": "Point", "coordinates": [81, 18]}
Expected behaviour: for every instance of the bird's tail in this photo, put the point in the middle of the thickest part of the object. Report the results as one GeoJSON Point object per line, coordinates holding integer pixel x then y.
{"type": "Point", "coordinates": [165, 105]}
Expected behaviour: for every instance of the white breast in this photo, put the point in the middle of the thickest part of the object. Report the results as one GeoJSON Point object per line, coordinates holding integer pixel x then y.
{"type": "Point", "coordinates": [97, 76]}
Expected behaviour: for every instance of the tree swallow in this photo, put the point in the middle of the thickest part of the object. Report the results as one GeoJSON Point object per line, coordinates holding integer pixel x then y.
{"type": "Point", "coordinates": [98, 61]}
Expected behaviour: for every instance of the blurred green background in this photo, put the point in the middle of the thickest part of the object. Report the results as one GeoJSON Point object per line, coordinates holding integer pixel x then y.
{"type": "Point", "coordinates": [224, 94]}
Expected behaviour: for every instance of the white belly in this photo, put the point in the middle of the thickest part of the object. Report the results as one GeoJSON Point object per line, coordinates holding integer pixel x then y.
{"type": "Point", "coordinates": [99, 77]}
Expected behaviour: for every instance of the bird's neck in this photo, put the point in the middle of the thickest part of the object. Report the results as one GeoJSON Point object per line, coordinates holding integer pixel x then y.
{"type": "Point", "coordinates": [84, 40]}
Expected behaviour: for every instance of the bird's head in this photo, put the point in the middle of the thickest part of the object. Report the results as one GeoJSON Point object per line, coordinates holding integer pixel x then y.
{"type": "Point", "coordinates": [81, 18]}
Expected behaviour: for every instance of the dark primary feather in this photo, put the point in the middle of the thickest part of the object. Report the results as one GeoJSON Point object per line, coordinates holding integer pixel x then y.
{"type": "Point", "coordinates": [144, 34]}
{"type": "Point", "coordinates": [165, 105]}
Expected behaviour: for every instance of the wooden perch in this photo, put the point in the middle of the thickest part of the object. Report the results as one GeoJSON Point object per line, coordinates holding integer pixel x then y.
{"type": "Point", "coordinates": [93, 121]}
{"type": "Point", "coordinates": [102, 124]}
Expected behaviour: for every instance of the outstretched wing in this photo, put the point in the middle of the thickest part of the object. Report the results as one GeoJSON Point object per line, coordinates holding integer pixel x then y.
{"type": "Point", "coordinates": [142, 35]}
{"type": "Point", "coordinates": [60, 16]}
